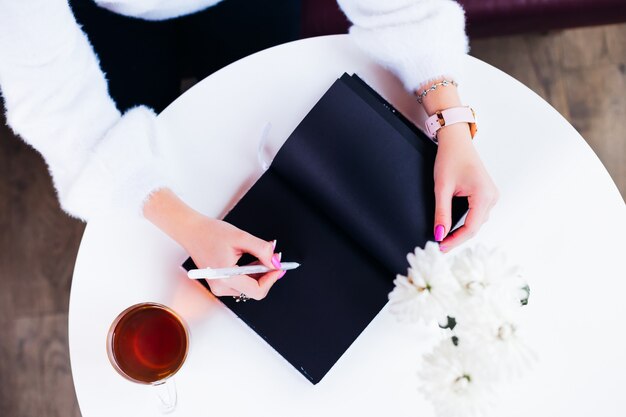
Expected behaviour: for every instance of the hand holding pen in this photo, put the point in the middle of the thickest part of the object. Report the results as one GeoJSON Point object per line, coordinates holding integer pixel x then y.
{"type": "Point", "coordinates": [212, 242]}
{"type": "Point", "coordinates": [222, 244]}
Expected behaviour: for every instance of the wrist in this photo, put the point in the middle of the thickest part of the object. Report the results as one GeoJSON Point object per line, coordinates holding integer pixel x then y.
{"type": "Point", "coordinates": [455, 135]}
{"type": "Point", "coordinates": [173, 216]}
{"type": "Point", "coordinates": [440, 98]}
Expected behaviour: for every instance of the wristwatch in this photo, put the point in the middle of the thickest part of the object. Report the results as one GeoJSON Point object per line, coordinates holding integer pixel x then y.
{"type": "Point", "coordinates": [448, 117]}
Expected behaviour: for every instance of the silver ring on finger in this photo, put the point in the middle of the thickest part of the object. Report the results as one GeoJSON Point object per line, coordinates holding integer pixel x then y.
{"type": "Point", "coordinates": [241, 298]}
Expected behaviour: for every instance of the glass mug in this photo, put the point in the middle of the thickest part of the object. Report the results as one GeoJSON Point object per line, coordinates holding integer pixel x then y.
{"type": "Point", "coordinates": [147, 344]}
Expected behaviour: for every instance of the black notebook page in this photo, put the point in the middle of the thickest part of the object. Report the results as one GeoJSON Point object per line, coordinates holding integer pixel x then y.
{"type": "Point", "coordinates": [367, 170]}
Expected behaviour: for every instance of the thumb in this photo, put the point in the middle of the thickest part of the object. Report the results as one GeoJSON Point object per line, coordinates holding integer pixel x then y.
{"type": "Point", "coordinates": [443, 209]}
{"type": "Point", "coordinates": [261, 249]}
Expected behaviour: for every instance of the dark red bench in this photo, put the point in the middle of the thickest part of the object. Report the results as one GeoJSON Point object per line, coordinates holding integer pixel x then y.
{"type": "Point", "coordinates": [488, 17]}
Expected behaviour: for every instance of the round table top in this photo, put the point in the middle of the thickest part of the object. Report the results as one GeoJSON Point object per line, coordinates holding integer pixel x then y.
{"type": "Point", "coordinates": [560, 216]}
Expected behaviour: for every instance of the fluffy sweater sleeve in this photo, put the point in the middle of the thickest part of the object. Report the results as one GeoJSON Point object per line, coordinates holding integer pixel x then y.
{"type": "Point", "coordinates": [418, 40]}
{"type": "Point", "coordinates": [56, 99]}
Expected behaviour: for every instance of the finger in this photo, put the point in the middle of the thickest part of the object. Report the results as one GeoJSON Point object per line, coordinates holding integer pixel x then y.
{"type": "Point", "coordinates": [261, 249]}
{"type": "Point", "coordinates": [268, 280]}
{"type": "Point", "coordinates": [278, 256]}
{"type": "Point", "coordinates": [476, 216]}
{"type": "Point", "coordinates": [244, 284]}
{"type": "Point", "coordinates": [257, 275]}
{"type": "Point", "coordinates": [443, 209]}
{"type": "Point", "coordinates": [220, 290]}
{"type": "Point", "coordinates": [252, 287]}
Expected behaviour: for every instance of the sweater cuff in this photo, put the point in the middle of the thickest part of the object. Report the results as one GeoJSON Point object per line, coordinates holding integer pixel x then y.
{"type": "Point", "coordinates": [121, 172]}
{"type": "Point", "coordinates": [418, 47]}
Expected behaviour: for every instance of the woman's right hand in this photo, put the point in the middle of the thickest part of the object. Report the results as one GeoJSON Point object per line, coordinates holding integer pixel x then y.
{"type": "Point", "coordinates": [218, 244]}
{"type": "Point", "coordinates": [215, 244]}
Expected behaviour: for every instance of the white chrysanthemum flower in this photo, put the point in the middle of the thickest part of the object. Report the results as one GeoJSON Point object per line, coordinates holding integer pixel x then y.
{"type": "Point", "coordinates": [497, 332]}
{"type": "Point", "coordinates": [512, 355]}
{"type": "Point", "coordinates": [485, 276]}
{"type": "Point", "coordinates": [428, 291]}
{"type": "Point", "coordinates": [453, 379]}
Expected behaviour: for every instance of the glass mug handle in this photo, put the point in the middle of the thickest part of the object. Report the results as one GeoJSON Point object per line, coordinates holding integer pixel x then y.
{"type": "Point", "coordinates": [167, 395]}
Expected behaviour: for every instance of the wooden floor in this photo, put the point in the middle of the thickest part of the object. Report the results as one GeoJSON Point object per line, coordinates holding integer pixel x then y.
{"type": "Point", "coordinates": [581, 72]}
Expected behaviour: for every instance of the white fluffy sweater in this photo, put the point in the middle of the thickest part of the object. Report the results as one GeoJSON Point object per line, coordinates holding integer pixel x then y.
{"type": "Point", "coordinates": [101, 161]}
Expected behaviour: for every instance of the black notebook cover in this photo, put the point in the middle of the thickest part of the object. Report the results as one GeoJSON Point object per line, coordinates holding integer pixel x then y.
{"type": "Point", "coordinates": [348, 195]}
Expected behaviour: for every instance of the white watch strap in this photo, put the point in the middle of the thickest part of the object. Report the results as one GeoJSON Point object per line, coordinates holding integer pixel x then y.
{"type": "Point", "coordinates": [448, 117]}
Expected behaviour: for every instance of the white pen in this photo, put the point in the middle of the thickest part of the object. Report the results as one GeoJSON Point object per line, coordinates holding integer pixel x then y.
{"type": "Point", "coordinates": [219, 273]}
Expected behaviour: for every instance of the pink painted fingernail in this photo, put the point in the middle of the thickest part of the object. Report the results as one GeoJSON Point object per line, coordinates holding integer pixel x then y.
{"type": "Point", "coordinates": [439, 233]}
{"type": "Point", "coordinates": [443, 248]}
{"type": "Point", "coordinates": [276, 260]}
{"type": "Point", "coordinates": [273, 244]}
{"type": "Point", "coordinates": [282, 273]}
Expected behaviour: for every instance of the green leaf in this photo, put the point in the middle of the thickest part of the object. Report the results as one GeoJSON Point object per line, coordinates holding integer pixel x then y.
{"type": "Point", "coordinates": [524, 300]}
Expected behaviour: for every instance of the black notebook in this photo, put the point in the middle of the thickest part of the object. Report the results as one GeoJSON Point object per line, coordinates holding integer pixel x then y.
{"type": "Point", "coordinates": [348, 195]}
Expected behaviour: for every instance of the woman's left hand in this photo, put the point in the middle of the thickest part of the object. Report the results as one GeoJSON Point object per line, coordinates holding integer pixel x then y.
{"type": "Point", "coordinates": [459, 172]}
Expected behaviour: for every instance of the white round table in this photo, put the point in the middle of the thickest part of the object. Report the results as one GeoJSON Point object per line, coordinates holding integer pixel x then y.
{"type": "Point", "coordinates": [560, 216]}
